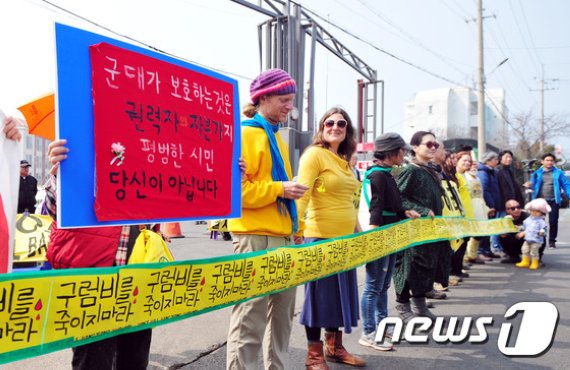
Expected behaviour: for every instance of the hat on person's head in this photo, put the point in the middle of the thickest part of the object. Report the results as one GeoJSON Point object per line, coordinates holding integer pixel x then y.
{"type": "Point", "coordinates": [488, 156]}
{"type": "Point", "coordinates": [24, 163]}
{"type": "Point", "coordinates": [390, 141]}
{"type": "Point", "coordinates": [273, 81]}
{"type": "Point", "coordinates": [538, 204]}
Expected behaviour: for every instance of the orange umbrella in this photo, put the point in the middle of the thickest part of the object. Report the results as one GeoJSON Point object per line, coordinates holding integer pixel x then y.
{"type": "Point", "coordinates": [40, 116]}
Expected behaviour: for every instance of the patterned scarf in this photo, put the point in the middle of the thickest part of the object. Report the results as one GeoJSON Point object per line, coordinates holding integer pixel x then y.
{"type": "Point", "coordinates": [431, 169]}
{"type": "Point", "coordinates": [278, 172]}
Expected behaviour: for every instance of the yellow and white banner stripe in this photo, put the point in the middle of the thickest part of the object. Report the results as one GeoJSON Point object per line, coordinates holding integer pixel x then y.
{"type": "Point", "coordinates": [45, 311]}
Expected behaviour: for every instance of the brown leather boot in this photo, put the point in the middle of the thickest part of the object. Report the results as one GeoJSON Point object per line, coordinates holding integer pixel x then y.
{"type": "Point", "coordinates": [315, 357]}
{"type": "Point", "coordinates": [335, 352]}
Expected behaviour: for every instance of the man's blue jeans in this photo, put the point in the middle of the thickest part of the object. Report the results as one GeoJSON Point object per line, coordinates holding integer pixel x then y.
{"type": "Point", "coordinates": [496, 239]}
{"type": "Point", "coordinates": [374, 302]}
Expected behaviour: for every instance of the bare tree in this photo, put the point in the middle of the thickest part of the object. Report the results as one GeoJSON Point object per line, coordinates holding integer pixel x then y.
{"type": "Point", "coordinates": [556, 125]}
{"type": "Point", "coordinates": [525, 132]}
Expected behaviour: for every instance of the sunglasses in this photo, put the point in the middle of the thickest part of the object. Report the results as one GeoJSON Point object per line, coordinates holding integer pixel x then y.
{"type": "Point", "coordinates": [513, 208]}
{"type": "Point", "coordinates": [431, 144]}
{"type": "Point", "coordinates": [340, 123]}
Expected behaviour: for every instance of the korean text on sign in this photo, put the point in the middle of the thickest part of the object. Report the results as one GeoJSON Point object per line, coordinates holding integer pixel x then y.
{"type": "Point", "coordinates": [163, 138]}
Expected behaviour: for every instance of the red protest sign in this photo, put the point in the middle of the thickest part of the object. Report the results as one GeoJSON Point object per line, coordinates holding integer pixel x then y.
{"type": "Point", "coordinates": [363, 165]}
{"type": "Point", "coordinates": [365, 147]}
{"type": "Point", "coordinates": [163, 138]}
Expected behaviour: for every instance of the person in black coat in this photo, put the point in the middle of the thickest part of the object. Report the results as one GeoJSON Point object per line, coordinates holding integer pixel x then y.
{"type": "Point", "coordinates": [28, 189]}
{"type": "Point", "coordinates": [511, 243]}
{"type": "Point", "coordinates": [507, 182]}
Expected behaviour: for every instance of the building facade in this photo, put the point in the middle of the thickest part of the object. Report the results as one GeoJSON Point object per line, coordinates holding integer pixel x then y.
{"type": "Point", "coordinates": [35, 152]}
{"type": "Point", "coordinates": [451, 113]}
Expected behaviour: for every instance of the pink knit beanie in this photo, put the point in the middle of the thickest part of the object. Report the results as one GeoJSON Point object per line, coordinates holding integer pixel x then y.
{"type": "Point", "coordinates": [538, 204]}
{"type": "Point", "coordinates": [274, 82]}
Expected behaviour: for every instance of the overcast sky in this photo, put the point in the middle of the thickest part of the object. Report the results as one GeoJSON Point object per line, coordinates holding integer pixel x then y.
{"type": "Point", "coordinates": [432, 35]}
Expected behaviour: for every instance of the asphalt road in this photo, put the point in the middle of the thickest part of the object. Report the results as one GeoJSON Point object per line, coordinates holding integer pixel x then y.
{"type": "Point", "coordinates": [199, 342]}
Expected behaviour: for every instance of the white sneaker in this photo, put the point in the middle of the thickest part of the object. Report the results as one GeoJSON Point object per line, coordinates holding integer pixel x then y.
{"type": "Point", "coordinates": [439, 287]}
{"type": "Point", "coordinates": [369, 341]}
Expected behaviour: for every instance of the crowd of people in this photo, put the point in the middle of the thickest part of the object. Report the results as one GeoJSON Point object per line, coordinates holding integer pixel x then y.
{"type": "Point", "coordinates": [321, 203]}
{"type": "Point", "coordinates": [435, 183]}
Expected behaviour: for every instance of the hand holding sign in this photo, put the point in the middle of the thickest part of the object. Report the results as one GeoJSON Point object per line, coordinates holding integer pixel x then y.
{"type": "Point", "coordinates": [11, 128]}
{"type": "Point", "coordinates": [57, 152]}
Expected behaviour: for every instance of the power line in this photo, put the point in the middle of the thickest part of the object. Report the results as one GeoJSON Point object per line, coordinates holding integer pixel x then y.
{"type": "Point", "coordinates": [390, 54]}
{"type": "Point", "coordinates": [500, 111]}
{"type": "Point", "coordinates": [462, 16]}
{"type": "Point", "coordinates": [538, 47]}
{"type": "Point", "coordinates": [457, 4]}
{"type": "Point", "coordinates": [542, 89]}
{"type": "Point", "coordinates": [513, 62]}
{"type": "Point", "coordinates": [365, 16]}
{"type": "Point", "coordinates": [503, 54]}
{"type": "Point", "coordinates": [87, 20]}
{"type": "Point", "coordinates": [205, 5]}
{"type": "Point", "coordinates": [528, 31]}
{"type": "Point", "coordinates": [409, 36]}
{"type": "Point", "coordinates": [521, 34]}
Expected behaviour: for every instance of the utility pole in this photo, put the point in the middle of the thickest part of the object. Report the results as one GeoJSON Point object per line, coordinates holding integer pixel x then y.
{"type": "Point", "coordinates": [541, 141]}
{"type": "Point", "coordinates": [481, 139]}
{"type": "Point", "coordinates": [481, 142]}
{"type": "Point", "coordinates": [543, 81]}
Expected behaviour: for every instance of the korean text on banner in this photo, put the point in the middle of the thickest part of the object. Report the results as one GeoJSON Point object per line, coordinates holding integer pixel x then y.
{"type": "Point", "coordinates": [51, 310]}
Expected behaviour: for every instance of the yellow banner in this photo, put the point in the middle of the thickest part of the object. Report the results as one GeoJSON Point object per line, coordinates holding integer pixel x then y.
{"type": "Point", "coordinates": [45, 311]}
{"type": "Point", "coordinates": [218, 225]}
{"type": "Point", "coordinates": [32, 237]}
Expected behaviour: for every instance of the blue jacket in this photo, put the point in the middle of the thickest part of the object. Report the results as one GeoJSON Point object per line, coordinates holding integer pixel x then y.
{"type": "Point", "coordinates": [559, 179]}
{"type": "Point", "coordinates": [491, 190]}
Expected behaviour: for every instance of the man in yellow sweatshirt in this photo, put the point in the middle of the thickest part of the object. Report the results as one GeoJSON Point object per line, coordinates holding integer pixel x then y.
{"type": "Point", "coordinates": [269, 219]}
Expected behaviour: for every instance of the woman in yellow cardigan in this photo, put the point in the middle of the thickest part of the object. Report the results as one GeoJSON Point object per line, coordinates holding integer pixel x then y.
{"type": "Point", "coordinates": [471, 194]}
{"type": "Point", "coordinates": [327, 210]}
